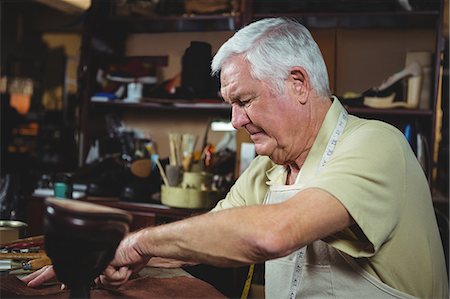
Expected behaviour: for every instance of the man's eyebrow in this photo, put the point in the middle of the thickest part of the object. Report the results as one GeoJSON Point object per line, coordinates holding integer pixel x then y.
{"type": "Point", "coordinates": [238, 97]}
{"type": "Point", "coordinates": [233, 97]}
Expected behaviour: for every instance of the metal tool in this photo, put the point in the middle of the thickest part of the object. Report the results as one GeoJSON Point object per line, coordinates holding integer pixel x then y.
{"type": "Point", "coordinates": [34, 264]}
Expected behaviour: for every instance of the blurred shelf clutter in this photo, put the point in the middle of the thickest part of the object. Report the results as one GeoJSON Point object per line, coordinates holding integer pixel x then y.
{"type": "Point", "coordinates": [136, 79]}
{"type": "Point", "coordinates": [125, 165]}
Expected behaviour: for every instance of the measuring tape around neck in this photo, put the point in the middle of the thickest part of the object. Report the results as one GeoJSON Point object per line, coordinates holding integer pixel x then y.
{"type": "Point", "coordinates": [337, 132]}
{"type": "Point", "coordinates": [300, 257]}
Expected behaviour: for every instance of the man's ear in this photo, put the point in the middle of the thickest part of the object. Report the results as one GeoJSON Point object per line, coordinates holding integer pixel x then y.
{"type": "Point", "coordinates": [300, 80]}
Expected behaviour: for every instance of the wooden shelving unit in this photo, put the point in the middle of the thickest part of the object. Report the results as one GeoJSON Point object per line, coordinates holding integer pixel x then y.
{"type": "Point", "coordinates": [169, 105]}
{"type": "Point", "coordinates": [102, 22]}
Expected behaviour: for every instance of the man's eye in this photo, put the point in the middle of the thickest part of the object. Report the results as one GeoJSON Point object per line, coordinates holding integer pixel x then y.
{"type": "Point", "coordinates": [246, 103]}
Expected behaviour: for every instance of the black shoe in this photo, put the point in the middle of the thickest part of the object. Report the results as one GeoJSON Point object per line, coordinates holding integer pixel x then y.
{"type": "Point", "coordinates": [402, 89]}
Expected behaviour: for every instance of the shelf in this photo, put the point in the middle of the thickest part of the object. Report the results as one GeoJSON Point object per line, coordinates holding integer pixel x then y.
{"type": "Point", "coordinates": [215, 105]}
{"type": "Point", "coordinates": [168, 104]}
{"type": "Point", "coordinates": [141, 24]}
{"type": "Point", "coordinates": [399, 112]}
{"type": "Point", "coordinates": [392, 19]}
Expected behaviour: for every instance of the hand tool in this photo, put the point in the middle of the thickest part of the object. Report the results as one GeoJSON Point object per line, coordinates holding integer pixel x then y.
{"type": "Point", "coordinates": [22, 256]}
{"type": "Point", "coordinates": [161, 171]}
{"type": "Point", "coordinates": [34, 264]}
{"type": "Point", "coordinates": [23, 245]}
{"type": "Point", "coordinates": [39, 238]}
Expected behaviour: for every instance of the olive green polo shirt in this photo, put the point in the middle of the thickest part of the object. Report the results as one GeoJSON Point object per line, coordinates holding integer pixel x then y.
{"type": "Point", "coordinates": [374, 173]}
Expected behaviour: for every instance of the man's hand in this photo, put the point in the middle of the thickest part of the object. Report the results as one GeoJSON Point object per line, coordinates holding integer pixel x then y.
{"type": "Point", "coordinates": [128, 260]}
{"type": "Point", "coordinates": [113, 277]}
{"type": "Point", "coordinates": [40, 276]}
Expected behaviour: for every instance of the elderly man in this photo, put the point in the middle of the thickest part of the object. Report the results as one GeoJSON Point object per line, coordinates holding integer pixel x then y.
{"type": "Point", "coordinates": [337, 206]}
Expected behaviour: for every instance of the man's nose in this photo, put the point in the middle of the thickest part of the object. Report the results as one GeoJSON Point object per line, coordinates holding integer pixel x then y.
{"type": "Point", "coordinates": [239, 116]}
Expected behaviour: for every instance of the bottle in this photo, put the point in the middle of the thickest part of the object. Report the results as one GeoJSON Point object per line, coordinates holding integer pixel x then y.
{"type": "Point", "coordinates": [63, 186]}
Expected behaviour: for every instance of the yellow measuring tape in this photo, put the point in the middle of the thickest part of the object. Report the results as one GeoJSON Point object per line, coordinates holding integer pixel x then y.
{"type": "Point", "coordinates": [248, 282]}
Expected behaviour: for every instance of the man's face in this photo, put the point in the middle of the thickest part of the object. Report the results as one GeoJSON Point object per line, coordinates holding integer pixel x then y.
{"type": "Point", "coordinates": [271, 120]}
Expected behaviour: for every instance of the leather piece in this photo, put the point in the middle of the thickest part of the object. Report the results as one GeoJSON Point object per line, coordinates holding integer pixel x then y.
{"type": "Point", "coordinates": [146, 287]}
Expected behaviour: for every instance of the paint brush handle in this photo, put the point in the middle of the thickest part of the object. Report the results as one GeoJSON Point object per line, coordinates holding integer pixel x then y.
{"type": "Point", "coordinates": [22, 256]}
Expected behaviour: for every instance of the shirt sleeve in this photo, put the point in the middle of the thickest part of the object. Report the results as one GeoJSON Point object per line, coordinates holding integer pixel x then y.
{"type": "Point", "coordinates": [367, 175]}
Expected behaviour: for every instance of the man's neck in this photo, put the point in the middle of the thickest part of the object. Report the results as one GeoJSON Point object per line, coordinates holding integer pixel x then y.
{"type": "Point", "coordinates": [320, 109]}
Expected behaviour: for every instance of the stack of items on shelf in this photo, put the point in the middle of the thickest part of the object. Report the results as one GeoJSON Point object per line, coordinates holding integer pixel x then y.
{"type": "Point", "coordinates": [128, 79]}
{"type": "Point", "coordinates": [152, 8]}
{"type": "Point", "coordinates": [211, 6]}
{"type": "Point", "coordinates": [136, 7]}
{"type": "Point", "coordinates": [409, 88]}
{"type": "Point", "coordinates": [135, 79]}
{"type": "Point", "coordinates": [194, 81]}
{"type": "Point", "coordinates": [118, 166]}
{"type": "Point", "coordinates": [343, 5]}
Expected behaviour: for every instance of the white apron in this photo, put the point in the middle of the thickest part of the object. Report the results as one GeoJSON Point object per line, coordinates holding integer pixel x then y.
{"type": "Point", "coordinates": [325, 272]}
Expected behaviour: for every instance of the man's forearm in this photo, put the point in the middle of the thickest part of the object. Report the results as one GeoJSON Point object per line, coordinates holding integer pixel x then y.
{"type": "Point", "coordinates": [221, 238]}
{"type": "Point", "coordinates": [248, 235]}
{"type": "Point", "coordinates": [159, 262]}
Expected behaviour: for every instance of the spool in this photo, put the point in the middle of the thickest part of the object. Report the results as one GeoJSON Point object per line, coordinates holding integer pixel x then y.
{"type": "Point", "coordinates": [11, 230]}
{"type": "Point", "coordinates": [188, 198]}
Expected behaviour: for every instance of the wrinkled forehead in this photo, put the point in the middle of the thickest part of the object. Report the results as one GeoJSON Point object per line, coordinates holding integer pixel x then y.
{"type": "Point", "coordinates": [236, 80]}
{"type": "Point", "coordinates": [234, 67]}
{"type": "Point", "coordinates": [237, 60]}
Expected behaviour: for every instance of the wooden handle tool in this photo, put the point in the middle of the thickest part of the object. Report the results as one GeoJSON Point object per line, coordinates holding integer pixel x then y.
{"type": "Point", "coordinates": [34, 239]}
{"type": "Point", "coordinates": [22, 256]}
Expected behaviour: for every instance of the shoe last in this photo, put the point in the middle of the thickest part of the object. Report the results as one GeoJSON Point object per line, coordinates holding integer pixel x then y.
{"type": "Point", "coordinates": [402, 89]}
{"type": "Point", "coordinates": [412, 70]}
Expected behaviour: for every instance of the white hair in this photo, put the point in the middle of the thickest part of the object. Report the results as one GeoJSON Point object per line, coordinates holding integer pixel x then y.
{"type": "Point", "coordinates": [272, 46]}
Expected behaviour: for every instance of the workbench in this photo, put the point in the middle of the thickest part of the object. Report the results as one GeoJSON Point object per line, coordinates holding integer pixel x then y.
{"type": "Point", "coordinates": [151, 283]}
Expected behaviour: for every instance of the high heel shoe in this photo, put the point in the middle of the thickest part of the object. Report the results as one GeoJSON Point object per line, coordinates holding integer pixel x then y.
{"type": "Point", "coordinates": [402, 89]}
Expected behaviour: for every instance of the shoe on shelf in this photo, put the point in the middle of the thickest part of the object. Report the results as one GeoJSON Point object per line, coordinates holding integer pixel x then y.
{"type": "Point", "coordinates": [352, 99]}
{"type": "Point", "coordinates": [402, 89]}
